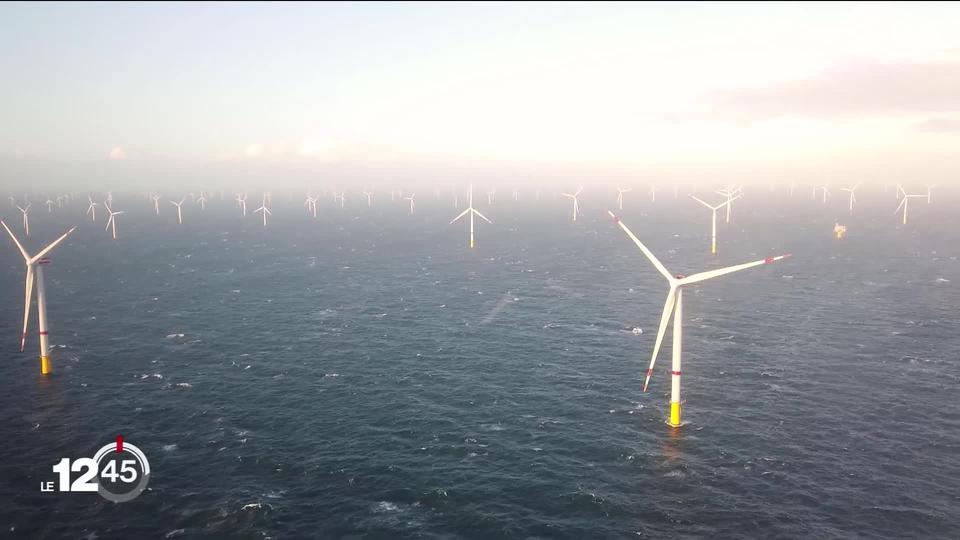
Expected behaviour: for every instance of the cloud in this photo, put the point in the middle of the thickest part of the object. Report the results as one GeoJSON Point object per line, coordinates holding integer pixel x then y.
{"type": "Point", "coordinates": [940, 124]}
{"type": "Point", "coordinates": [117, 153]}
{"type": "Point", "coordinates": [853, 89]}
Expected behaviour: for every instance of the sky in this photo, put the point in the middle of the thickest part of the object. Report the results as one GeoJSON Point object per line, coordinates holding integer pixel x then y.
{"type": "Point", "coordinates": [360, 91]}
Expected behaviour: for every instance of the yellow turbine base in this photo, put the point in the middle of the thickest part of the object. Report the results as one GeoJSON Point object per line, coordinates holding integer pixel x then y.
{"type": "Point", "coordinates": [675, 413]}
{"type": "Point", "coordinates": [45, 366]}
{"type": "Point", "coordinates": [471, 244]}
{"type": "Point", "coordinates": [713, 249]}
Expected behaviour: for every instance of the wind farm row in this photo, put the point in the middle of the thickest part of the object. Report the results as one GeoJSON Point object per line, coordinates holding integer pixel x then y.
{"type": "Point", "coordinates": [720, 200]}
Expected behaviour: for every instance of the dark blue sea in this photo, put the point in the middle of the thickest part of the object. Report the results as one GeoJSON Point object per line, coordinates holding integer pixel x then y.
{"type": "Point", "coordinates": [365, 375]}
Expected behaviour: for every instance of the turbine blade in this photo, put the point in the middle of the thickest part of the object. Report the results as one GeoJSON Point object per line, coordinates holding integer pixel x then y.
{"type": "Point", "coordinates": [481, 215]}
{"type": "Point", "coordinates": [903, 201]}
{"type": "Point", "coordinates": [664, 322]}
{"type": "Point", "coordinates": [704, 203]}
{"type": "Point", "coordinates": [454, 220]}
{"type": "Point", "coordinates": [656, 262]}
{"type": "Point", "coordinates": [23, 252]}
{"type": "Point", "coordinates": [719, 272]}
{"type": "Point", "coordinates": [52, 245]}
{"type": "Point", "coordinates": [28, 296]}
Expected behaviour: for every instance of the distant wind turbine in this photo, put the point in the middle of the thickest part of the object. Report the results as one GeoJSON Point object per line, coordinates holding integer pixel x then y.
{"type": "Point", "coordinates": [853, 196]}
{"type": "Point", "coordinates": [930, 189]}
{"type": "Point", "coordinates": [179, 206]}
{"type": "Point", "coordinates": [156, 203]}
{"type": "Point", "coordinates": [242, 202]}
{"type": "Point", "coordinates": [410, 198]}
{"type": "Point", "coordinates": [112, 221]}
{"type": "Point", "coordinates": [674, 307]}
{"type": "Point", "coordinates": [92, 209]}
{"type": "Point", "coordinates": [904, 202]}
{"type": "Point", "coordinates": [49, 204]}
{"type": "Point", "coordinates": [202, 200]}
{"type": "Point", "coordinates": [825, 192]}
{"type": "Point", "coordinates": [620, 192]}
{"type": "Point", "coordinates": [263, 208]}
{"type": "Point", "coordinates": [576, 202]}
{"type": "Point", "coordinates": [35, 271]}
{"type": "Point", "coordinates": [730, 193]}
{"type": "Point", "coordinates": [26, 219]}
{"type": "Point", "coordinates": [472, 211]}
{"type": "Point", "coordinates": [713, 230]}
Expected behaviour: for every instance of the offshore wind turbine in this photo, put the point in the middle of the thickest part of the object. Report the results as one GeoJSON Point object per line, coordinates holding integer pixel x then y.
{"type": "Point", "coordinates": [853, 197]}
{"type": "Point", "coordinates": [342, 198]}
{"type": "Point", "coordinates": [369, 196]}
{"type": "Point", "coordinates": [410, 198]}
{"type": "Point", "coordinates": [825, 192]}
{"type": "Point", "coordinates": [929, 189]}
{"type": "Point", "coordinates": [472, 211]}
{"type": "Point", "coordinates": [490, 195]}
{"type": "Point", "coordinates": [26, 220]}
{"type": "Point", "coordinates": [263, 208]}
{"type": "Point", "coordinates": [620, 192]}
{"type": "Point", "coordinates": [179, 210]}
{"type": "Point", "coordinates": [112, 221]}
{"type": "Point", "coordinates": [156, 203]}
{"type": "Point", "coordinates": [202, 201]}
{"type": "Point", "coordinates": [35, 272]}
{"type": "Point", "coordinates": [674, 307]}
{"type": "Point", "coordinates": [729, 193]}
{"type": "Point", "coordinates": [49, 204]}
{"type": "Point", "coordinates": [92, 209]}
{"type": "Point", "coordinates": [713, 229]}
{"type": "Point", "coordinates": [576, 202]}
{"type": "Point", "coordinates": [904, 203]}
{"type": "Point", "coordinates": [311, 204]}
{"type": "Point", "coordinates": [653, 193]}
{"type": "Point", "coordinates": [242, 202]}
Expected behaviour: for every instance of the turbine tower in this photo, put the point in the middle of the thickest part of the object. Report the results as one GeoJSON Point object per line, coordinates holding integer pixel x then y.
{"type": "Point", "coordinates": [26, 220]}
{"type": "Point", "coordinates": [179, 206]}
{"type": "Point", "coordinates": [410, 198]}
{"type": "Point", "coordinates": [263, 208]}
{"type": "Point", "coordinates": [35, 271]}
{"type": "Point", "coordinates": [904, 203]}
{"type": "Point", "coordinates": [674, 307]}
{"type": "Point", "coordinates": [92, 209]}
{"type": "Point", "coordinates": [620, 192]}
{"type": "Point", "coordinates": [853, 197]}
{"type": "Point", "coordinates": [470, 210]}
{"type": "Point", "coordinates": [112, 221]}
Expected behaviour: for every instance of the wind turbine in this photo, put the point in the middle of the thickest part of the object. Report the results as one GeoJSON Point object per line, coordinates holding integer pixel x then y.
{"type": "Point", "coordinates": [929, 189]}
{"type": "Point", "coordinates": [49, 204]}
{"type": "Point", "coordinates": [576, 202]}
{"type": "Point", "coordinates": [156, 203]}
{"type": "Point", "coordinates": [242, 202]}
{"type": "Point", "coordinates": [369, 196]}
{"type": "Point", "coordinates": [825, 193]}
{"type": "Point", "coordinates": [620, 192]}
{"type": "Point", "coordinates": [410, 198]}
{"type": "Point", "coordinates": [653, 193]}
{"type": "Point", "coordinates": [472, 211]}
{"type": "Point", "coordinates": [263, 208]}
{"type": "Point", "coordinates": [202, 200]}
{"type": "Point", "coordinates": [904, 204]}
{"type": "Point", "coordinates": [853, 197]}
{"type": "Point", "coordinates": [35, 271]}
{"type": "Point", "coordinates": [179, 210]}
{"type": "Point", "coordinates": [490, 195]}
{"type": "Point", "coordinates": [729, 193]}
{"type": "Point", "coordinates": [674, 306]}
{"type": "Point", "coordinates": [341, 197]}
{"type": "Point", "coordinates": [311, 204]}
{"type": "Point", "coordinates": [516, 195]}
{"type": "Point", "coordinates": [92, 209]}
{"type": "Point", "coordinates": [713, 230]}
{"type": "Point", "coordinates": [112, 221]}
{"type": "Point", "coordinates": [26, 220]}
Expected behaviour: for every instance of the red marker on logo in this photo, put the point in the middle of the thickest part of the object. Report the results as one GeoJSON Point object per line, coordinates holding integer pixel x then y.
{"type": "Point", "coordinates": [119, 443]}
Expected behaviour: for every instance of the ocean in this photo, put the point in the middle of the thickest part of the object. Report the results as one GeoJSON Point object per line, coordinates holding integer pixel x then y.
{"type": "Point", "coordinates": [366, 375]}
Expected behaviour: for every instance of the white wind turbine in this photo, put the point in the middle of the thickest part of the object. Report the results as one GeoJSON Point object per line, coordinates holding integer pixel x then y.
{"type": "Point", "coordinates": [26, 220]}
{"type": "Point", "coordinates": [35, 272]}
{"type": "Point", "coordinates": [92, 209]}
{"type": "Point", "coordinates": [112, 221]}
{"type": "Point", "coordinates": [653, 193]}
{"type": "Point", "coordinates": [491, 195]}
{"type": "Point", "coordinates": [620, 192]}
{"type": "Point", "coordinates": [341, 196]}
{"type": "Point", "coordinates": [263, 208]}
{"type": "Point", "coordinates": [853, 197]}
{"type": "Point", "coordinates": [929, 189]}
{"type": "Point", "coordinates": [202, 201]}
{"type": "Point", "coordinates": [472, 211]}
{"type": "Point", "coordinates": [674, 306]}
{"type": "Point", "coordinates": [179, 206]}
{"type": "Point", "coordinates": [156, 203]}
{"type": "Point", "coordinates": [49, 204]}
{"type": "Point", "coordinates": [242, 202]}
{"type": "Point", "coordinates": [410, 198]}
{"type": "Point", "coordinates": [311, 204]}
{"type": "Point", "coordinates": [904, 203]}
{"type": "Point", "coordinates": [730, 193]}
{"type": "Point", "coordinates": [713, 230]}
{"type": "Point", "coordinates": [825, 192]}
{"type": "Point", "coordinates": [369, 196]}
{"type": "Point", "coordinates": [576, 202]}
{"type": "Point", "coordinates": [516, 195]}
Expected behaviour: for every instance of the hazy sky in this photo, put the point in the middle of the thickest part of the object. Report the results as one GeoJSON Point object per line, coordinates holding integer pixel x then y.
{"type": "Point", "coordinates": [733, 89]}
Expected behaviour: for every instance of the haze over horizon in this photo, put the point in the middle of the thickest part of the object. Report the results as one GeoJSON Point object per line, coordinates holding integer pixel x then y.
{"type": "Point", "coordinates": [136, 94]}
